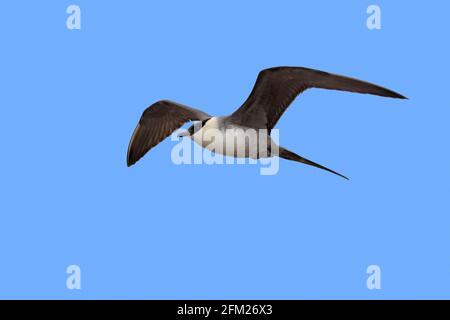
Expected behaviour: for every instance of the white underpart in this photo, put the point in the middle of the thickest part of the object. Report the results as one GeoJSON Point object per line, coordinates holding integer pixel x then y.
{"type": "Point", "coordinates": [232, 141]}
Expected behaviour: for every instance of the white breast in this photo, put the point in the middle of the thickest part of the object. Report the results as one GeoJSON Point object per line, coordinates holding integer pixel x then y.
{"type": "Point", "coordinates": [230, 141]}
{"type": "Point", "coordinates": [210, 126]}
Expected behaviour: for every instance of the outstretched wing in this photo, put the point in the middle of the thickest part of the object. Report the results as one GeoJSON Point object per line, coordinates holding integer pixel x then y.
{"type": "Point", "coordinates": [157, 122]}
{"type": "Point", "coordinates": [276, 88]}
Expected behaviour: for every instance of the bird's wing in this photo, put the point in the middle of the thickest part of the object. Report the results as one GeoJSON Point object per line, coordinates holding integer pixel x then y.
{"type": "Point", "coordinates": [157, 122]}
{"type": "Point", "coordinates": [276, 88]}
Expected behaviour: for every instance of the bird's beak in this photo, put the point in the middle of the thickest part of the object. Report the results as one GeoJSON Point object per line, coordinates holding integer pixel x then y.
{"type": "Point", "coordinates": [184, 134]}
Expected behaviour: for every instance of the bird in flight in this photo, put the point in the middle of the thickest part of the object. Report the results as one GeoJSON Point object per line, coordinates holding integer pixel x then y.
{"type": "Point", "coordinates": [275, 89]}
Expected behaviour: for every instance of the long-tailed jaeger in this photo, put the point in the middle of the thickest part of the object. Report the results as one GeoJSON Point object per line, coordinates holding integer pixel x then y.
{"type": "Point", "coordinates": [273, 92]}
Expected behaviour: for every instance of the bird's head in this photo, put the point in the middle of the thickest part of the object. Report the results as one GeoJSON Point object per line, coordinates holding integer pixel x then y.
{"type": "Point", "coordinates": [193, 129]}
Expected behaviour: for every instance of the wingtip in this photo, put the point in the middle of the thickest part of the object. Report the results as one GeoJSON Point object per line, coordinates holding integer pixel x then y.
{"type": "Point", "coordinates": [393, 94]}
{"type": "Point", "coordinates": [130, 162]}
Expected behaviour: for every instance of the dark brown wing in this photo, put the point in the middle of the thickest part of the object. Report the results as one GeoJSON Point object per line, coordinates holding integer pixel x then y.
{"type": "Point", "coordinates": [276, 88]}
{"type": "Point", "coordinates": [157, 122]}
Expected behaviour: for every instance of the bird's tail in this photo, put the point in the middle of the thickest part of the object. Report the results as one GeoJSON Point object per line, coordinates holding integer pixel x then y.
{"type": "Point", "coordinates": [289, 155]}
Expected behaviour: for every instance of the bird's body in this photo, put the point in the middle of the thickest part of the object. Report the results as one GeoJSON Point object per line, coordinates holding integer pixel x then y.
{"type": "Point", "coordinates": [221, 136]}
{"type": "Point", "coordinates": [247, 131]}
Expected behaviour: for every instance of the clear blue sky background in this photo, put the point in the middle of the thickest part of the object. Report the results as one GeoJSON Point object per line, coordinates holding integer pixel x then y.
{"type": "Point", "coordinates": [71, 99]}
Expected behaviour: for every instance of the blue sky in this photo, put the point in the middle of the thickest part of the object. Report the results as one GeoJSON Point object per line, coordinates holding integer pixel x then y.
{"type": "Point", "coordinates": [71, 99]}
